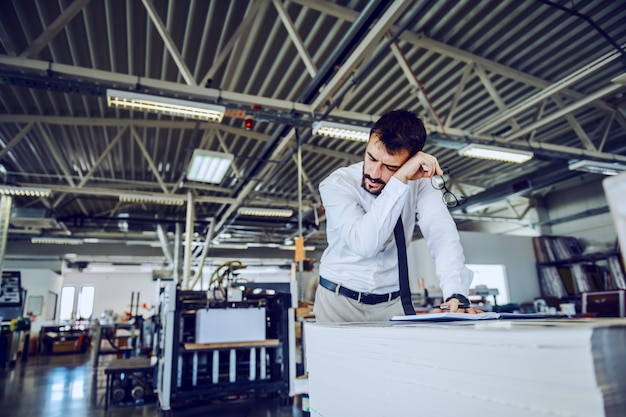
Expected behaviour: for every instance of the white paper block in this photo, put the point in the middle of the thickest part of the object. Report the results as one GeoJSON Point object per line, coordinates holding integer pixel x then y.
{"type": "Point", "coordinates": [564, 367]}
{"type": "Point", "coordinates": [221, 325]}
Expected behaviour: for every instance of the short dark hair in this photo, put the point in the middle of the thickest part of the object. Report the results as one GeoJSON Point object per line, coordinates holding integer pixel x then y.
{"type": "Point", "coordinates": [400, 130]}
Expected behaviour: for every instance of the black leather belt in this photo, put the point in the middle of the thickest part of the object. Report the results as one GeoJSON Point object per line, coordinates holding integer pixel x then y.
{"type": "Point", "coordinates": [361, 297]}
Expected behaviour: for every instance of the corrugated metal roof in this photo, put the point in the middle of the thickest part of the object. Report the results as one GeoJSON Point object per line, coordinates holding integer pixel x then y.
{"type": "Point", "coordinates": [289, 63]}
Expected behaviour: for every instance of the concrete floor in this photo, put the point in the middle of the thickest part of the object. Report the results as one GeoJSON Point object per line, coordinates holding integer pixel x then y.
{"type": "Point", "coordinates": [67, 386]}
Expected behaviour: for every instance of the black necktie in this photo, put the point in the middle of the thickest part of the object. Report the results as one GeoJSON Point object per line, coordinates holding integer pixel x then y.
{"type": "Point", "coordinates": [403, 269]}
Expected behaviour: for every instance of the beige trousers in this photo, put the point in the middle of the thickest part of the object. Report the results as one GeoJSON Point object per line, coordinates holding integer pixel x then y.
{"type": "Point", "coordinates": [333, 308]}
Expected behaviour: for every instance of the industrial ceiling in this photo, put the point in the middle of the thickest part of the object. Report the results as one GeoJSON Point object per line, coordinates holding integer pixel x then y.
{"type": "Point", "coordinates": [545, 76]}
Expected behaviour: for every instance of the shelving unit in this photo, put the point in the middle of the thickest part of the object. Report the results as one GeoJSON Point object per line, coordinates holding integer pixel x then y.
{"type": "Point", "coordinates": [566, 272]}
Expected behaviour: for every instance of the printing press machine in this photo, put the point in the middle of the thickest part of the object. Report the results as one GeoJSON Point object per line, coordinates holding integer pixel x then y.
{"type": "Point", "coordinates": [215, 348]}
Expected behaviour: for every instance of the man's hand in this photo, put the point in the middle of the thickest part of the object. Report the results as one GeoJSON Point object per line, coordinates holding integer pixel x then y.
{"type": "Point", "coordinates": [452, 306]}
{"type": "Point", "coordinates": [420, 165]}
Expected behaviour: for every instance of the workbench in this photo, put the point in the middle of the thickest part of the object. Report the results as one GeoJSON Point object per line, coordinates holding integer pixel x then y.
{"type": "Point", "coordinates": [112, 339]}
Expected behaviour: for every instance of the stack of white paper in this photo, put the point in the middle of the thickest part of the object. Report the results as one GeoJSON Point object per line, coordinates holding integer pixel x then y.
{"type": "Point", "coordinates": [561, 367]}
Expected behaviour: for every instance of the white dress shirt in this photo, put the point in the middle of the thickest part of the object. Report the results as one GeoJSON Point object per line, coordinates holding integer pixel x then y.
{"type": "Point", "coordinates": [361, 252]}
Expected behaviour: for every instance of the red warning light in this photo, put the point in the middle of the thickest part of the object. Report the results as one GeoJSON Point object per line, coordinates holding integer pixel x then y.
{"type": "Point", "coordinates": [248, 122]}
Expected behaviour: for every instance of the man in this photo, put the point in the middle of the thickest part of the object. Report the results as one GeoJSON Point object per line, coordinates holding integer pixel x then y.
{"type": "Point", "coordinates": [363, 203]}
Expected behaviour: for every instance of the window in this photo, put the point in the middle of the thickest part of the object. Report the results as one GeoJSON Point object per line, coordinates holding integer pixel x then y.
{"type": "Point", "coordinates": [77, 308]}
{"type": "Point", "coordinates": [85, 303]}
{"type": "Point", "coordinates": [492, 277]}
{"type": "Point", "coordinates": [67, 303]}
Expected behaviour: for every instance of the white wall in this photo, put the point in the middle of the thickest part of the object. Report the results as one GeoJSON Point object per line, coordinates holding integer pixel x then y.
{"type": "Point", "coordinates": [114, 290]}
{"type": "Point", "coordinates": [514, 252]}
{"type": "Point", "coordinates": [38, 282]}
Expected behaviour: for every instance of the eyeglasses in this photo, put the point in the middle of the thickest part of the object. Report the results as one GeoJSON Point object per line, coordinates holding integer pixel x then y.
{"type": "Point", "coordinates": [439, 183]}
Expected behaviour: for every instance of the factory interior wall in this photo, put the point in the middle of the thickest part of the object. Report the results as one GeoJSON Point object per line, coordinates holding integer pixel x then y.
{"type": "Point", "coordinates": [114, 290]}
{"type": "Point", "coordinates": [514, 252]}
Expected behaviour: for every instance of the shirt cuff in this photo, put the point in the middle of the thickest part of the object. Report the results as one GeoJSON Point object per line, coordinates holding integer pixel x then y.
{"type": "Point", "coordinates": [462, 299]}
{"type": "Point", "coordinates": [396, 187]}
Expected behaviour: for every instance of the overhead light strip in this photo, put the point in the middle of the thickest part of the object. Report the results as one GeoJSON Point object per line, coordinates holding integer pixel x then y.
{"type": "Point", "coordinates": [341, 131]}
{"type": "Point", "coordinates": [265, 212]}
{"type": "Point", "coordinates": [496, 153]}
{"type": "Point", "coordinates": [596, 167]}
{"type": "Point", "coordinates": [55, 241]}
{"type": "Point", "coordinates": [154, 199]}
{"type": "Point", "coordinates": [25, 191]}
{"type": "Point", "coordinates": [165, 105]}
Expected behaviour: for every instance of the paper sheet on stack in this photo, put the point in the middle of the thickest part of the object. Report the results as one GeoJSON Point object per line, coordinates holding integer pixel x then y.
{"type": "Point", "coordinates": [560, 367]}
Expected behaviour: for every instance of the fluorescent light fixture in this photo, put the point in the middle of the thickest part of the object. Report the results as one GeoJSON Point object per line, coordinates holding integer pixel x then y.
{"type": "Point", "coordinates": [165, 105]}
{"type": "Point", "coordinates": [620, 79]}
{"type": "Point", "coordinates": [55, 241]}
{"type": "Point", "coordinates": [597, 167]}
{"type": "Point", "coordinates": [236, 246]}
{"type": "Point", "coordinates": [265, 212]}
{"type": "Point", "coordinates": [25, 191]}
{"type": "Point", "coordinates": [208, 166]}
{"type": "Point", "coordinates": [496, 153]}
{"type": "Point", "coordinates": [151, 243]}
{"type": "Point", "coordinates": [154, 199]}
{"type": "Point", "coordinates": [288, 247]}
{"type": "Point", "coordinates": [341, 131]}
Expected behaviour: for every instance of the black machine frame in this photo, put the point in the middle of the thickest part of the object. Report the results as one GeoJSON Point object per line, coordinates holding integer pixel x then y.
{"type": "Point", "coordinates": [193, 381]}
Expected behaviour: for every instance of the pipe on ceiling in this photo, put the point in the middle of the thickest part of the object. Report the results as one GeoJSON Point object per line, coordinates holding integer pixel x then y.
{"type": "Point", "coordinates": [591, 22]}
{"type": "Point", "coordinates": [353, 36]}
{"type": "Point", "coordinates": [515, 188]}
{"type": "Point", "coordinates": [356, 32]}
{"type": "Point", "coordinates": [5, 215]}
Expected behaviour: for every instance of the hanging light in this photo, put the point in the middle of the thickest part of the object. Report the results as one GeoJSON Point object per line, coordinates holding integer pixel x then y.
{"type": "Point", "coordinates": [25, 191]}
{"type": "Point", "coordinates": [154, 199]}
{"type": "Point", "coordinates": [496, 153]}
{"type": "Point", "coordinates": [597, 167]}
{"type": "Point", "coordinates": [341, 131]}
{"type": "Point", "coordinates": [165, 105]}
{"type": "Point", "coordinates": [265, 212]}
{"type": "Point", "coordinates": [208, 166]}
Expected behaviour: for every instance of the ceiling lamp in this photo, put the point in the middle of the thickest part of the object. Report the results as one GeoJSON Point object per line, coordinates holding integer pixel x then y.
{"type": "Point", "coordinates": [341, 131]}
{"type": "Point", "coordinates": [154, 199]}
{"type": "Point", "coordinates": [55, 241]}
{"type": "Point", "coordinates": [165, 105]}
{"type": "Point", "coordinates": [620, 79]}
{"type": "Point", "coordinates": [265, 212]}
{"type": "Point", "coordinates": [596, 167]}
{"type": "Point", "coordinates": [496, 153]}
{"type": "Point", "coordinates": [208, 166]}
{"type": "Point", "coordinates": [25, 191]}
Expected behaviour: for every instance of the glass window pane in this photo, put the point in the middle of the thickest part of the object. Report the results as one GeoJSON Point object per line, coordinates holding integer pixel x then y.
{"type": "Point", "coordinates": [67, 303]}
{"type": "Point", "coordinates": [491, 277]}
{"type": "Point", "coordinates": [85, 303]}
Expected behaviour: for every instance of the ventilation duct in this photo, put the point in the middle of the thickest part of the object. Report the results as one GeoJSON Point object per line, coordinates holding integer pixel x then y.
{"type": "Point", "coordinates": [5, 214]}
{"type": "Point", "coordinates": [33, 219]}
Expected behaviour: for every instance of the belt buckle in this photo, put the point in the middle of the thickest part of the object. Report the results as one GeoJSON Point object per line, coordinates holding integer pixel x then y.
{"type": "Point", "coordinates": [366, 295]}
{"type": "Point", "coordinates": [389, 298]}
{"type": "Point", "coordinates": [359, 297]}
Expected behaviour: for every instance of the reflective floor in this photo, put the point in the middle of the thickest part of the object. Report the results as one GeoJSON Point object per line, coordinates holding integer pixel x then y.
{"type": "Point", "coordinates": [67, 386]}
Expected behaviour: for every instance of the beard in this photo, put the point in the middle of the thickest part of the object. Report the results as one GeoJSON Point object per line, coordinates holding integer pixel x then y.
{"type": "Point", "coordinates": [376, 180]}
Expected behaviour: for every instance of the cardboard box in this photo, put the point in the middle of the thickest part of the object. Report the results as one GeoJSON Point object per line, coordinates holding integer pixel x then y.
{"type": "Point", "coordinates": [304, 312]}
{"type": "Point", "coordinates": [64, 346]}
